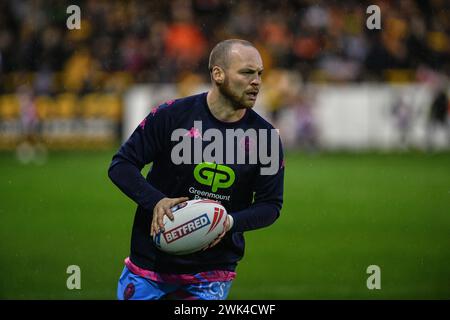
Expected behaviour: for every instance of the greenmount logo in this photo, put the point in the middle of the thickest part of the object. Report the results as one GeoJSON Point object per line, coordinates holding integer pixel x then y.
{"type": "Point", "coordinates": [214, 175]}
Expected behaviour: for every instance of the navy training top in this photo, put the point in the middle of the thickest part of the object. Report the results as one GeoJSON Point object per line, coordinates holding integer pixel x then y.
{"type": "Point", "coordinates": [253, 199]}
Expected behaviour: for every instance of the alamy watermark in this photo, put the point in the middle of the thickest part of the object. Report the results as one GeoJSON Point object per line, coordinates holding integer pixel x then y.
{"type": "Point", "coordinates": [74, 280]}
{"type": "Point", "coordinates": [374, 20]}
{"type": "Point", "coordinates": [74, 20]}
{"type": "Point", "coordinates": [236, 146]}
{"type": "Point", "coordinates": [374, 280]}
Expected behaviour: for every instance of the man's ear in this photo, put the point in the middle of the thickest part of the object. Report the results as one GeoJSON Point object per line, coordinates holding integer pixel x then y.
{"type": "Point", "coordinates": [218, 74]}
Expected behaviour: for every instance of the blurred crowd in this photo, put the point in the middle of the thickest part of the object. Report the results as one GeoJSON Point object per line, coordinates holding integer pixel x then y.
{"type": "Point", "coordinates": [126, 42]}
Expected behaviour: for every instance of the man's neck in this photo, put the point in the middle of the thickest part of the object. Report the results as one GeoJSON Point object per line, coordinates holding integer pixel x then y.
{"type": "Point", "coordinates": [222, 108]}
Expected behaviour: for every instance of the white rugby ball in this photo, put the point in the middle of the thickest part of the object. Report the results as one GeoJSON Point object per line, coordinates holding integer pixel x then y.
{"type": "Point", "coordinates": [196, 224]}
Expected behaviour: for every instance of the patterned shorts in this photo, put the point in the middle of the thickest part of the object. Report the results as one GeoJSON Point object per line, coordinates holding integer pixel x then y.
{"type": "Point", "coordinates": [134, 287]}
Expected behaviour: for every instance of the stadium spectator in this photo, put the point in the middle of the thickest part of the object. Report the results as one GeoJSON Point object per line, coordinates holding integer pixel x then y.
{"type": "Point", "coordinates": [30, 149]}
{"type": "Point", "coordinates": [124, 43]}
{"type": "Point", "coordinates": [324, 40]}
{"type": "Point", "coordinates": [403, 116]}
{"type": "Point", "coordinates": [438, 117]}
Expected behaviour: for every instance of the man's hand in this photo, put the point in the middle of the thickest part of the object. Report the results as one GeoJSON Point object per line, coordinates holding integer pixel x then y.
{"type": "Point", "coordinates": [227, 225]}
{"type": "Point", "coordinates": [163, 208]}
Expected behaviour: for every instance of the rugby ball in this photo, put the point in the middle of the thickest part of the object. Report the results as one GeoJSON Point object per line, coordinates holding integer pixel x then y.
{"type": "Point", "coordinates": [196, 224]}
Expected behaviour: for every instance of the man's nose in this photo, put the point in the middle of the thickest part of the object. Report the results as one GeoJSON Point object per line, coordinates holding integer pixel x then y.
{"type": "Point", "coordinates": [256, 80]}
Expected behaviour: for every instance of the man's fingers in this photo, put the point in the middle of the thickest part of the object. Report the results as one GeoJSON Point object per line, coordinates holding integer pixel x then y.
{"type": "Point", "coordinates": [216, 241]}
{"type": "Point", "coordinates": [172, 204]}
{"type": "Point", "coordinates": [155, 221]}
{"type": "Point", "coordinates": [226, 224]}
{"type": "Point", "coordinates": [152, 231]}
{"type": "Point", "coordinates": [163, 208]}
{"type": "Point", "coordinates": [176, 201]}
{"type": "Point", "coordinates": [160, 216]}
{"type": "Point", "coordinates": [154, 224]}
{"type": "Point", "coordinates": [169, 214]}
{"type": "Point", "coordinates": [152, 228]}
{"type": "Point", "coordinates": [213, 244]}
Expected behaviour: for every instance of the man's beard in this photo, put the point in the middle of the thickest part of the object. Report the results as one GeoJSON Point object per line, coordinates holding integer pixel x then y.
{"type": "Point", "coordinates": [237, 101]}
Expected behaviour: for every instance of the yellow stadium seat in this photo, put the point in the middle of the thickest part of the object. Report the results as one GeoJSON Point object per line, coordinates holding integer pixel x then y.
{"type": "Point", "coordinates": [9, 106]}
{"type": "Point", "coordinates": [66, 105]}
{"type": "Point", "coordinates": [45, 106]}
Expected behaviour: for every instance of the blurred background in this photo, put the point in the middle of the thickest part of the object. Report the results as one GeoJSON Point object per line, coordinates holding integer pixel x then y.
{"type": "Point", "coordinates": [363, 115]}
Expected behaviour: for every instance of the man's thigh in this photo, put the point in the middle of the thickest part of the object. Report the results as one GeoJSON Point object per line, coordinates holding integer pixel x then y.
{"type": "Point", "coordinates": [134, 287]}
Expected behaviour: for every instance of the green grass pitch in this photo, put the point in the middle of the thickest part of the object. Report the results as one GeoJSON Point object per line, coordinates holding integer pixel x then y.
{"type": "Point", "coordinates": [342, 213]}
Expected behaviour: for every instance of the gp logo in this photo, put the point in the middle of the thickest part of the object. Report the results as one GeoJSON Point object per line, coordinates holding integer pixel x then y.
{"type": "Point", "coordinates": [214, 175]}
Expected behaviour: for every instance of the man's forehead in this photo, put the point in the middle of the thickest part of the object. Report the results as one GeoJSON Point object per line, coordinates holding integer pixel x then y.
{"type": "Point", "coordinates": [245, 56]}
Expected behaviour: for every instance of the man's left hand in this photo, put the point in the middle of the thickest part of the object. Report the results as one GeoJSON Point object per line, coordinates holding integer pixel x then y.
{"type": "Point", "coordinates": [227, 225]}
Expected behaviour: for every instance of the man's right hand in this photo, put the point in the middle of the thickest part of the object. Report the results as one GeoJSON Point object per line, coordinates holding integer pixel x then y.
{"type": "Point", "coordinates": [163, 208]}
